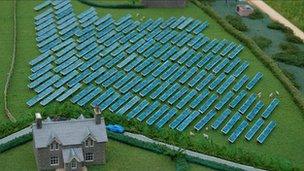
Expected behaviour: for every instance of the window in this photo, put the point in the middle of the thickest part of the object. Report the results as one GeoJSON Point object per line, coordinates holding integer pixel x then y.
{"type": "Point", "coordinates": [54, 161]}
{"type": "Point", "coordinates": [73, 164]}
{"type": "Point", "coordinates": [54, 146]}
{"type": "Point", "coordinates": [89, 156]}
{"type": "Point", "coordinates": [89, 143]}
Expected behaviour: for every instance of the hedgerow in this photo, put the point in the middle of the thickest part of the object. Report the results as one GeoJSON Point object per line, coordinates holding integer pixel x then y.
{"type": "Point", "coordinates": [236, 22]}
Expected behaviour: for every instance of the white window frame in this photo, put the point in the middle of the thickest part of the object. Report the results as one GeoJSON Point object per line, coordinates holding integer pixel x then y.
{"type": "Point", "coordinates": [73, 164]}
{"type": "Point", "coordinates": [54, 160]}
{"type": "Point", "coordinates": [54, 146]}
{"type": "Point", "coordinates": [91, 156]}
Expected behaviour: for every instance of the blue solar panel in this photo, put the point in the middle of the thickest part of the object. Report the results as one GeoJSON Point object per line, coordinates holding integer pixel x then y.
{"type": "Point", "coordinates": [204, 82]}
{"type": "Point", "coordinates": [200, 124]}
{"type": "Point", "coordinates": [221, 119]}
{"type": "Point", "coordinates": [254, 129]}
{"type": "Point", "coordinates": [155, 24]}
{"type": "Point", "coordinates": [143, 84]}
{"type": "Point", "coordinates": [210, 45]}
{"type": "Point", "coordinates": [186, 99]}
{"type": "Point", "coordinates": [150, 87]}
{"type": "Point", "coordinates": [236, 51]}
{"type": "Point", "coordinates": [105, 104]}
{"type": "Point", "coordinates": [150, 68]}
{"type": "Point", "coordinates": [238, 99]}
{"type": "Point", "coordinates": [161, 68]}
{"type": "Point", "coordinates": [159, 90]}
{"type": "Point", "coordinates": [188, 75]}
{"type": "Point", "coordinates": [182, 126]}
{"type": "Point", "coordinates": [225, 85]}
{"type": "Point", "coordinates": [133, 64]}
{"type": "Point", "coordinates": [136, 110]}
{"type": "Point", "coordinates": [241, 69]}
{"type": "Point", "coordinates": [65, 79]}
{"type": "Point", "coordinates": [106, 75]}
{"type": "Point", "coordinates": [184, 40]}
{"type": "Point", "coordinates": [47, 83]}
{"type": "Point", "coordinates": [162, 50]}
{"type": "Point", "coordinates": [199, 99]}
{"type": "Point", "coordinates": [270, 108]}
{"type": "Point", "coordinates": [169, 53]}
{"type": "Point", "coordinates": [177, 95]}
{"type": "Point", "coordinates": [89, 97]}
{"type": "Point", "coordinates": [177, 22]}
{"type": "Point", "coordinates": [40, 80]}
{"type": "Point", "coordinates": [185, 23]}
{"type": "Point", "coordinates": [233, 120]}
{"type": "Point", "coordinates": [168, 22]}
{"type": "Point", "coordinates": [180, 118]}
{"type": "Point", "coordinates": [144, 25]}
{"type": "Point", "coordinates": [194, 59]}
{"type": "Point", "coordinates": [39, 96]}
{"type": "Point", "coordinates": [103, 97]}
{"type": "Point", "coordinates": [246, 105]}
{"type": "Point", "coordinates": [128, 105]}
{"type": "Point", "coordinates": [169, 92]}
{"type": "Point", "coordinates": [208, 103]}
{"type": "Point", "coordinates": [69, 92]}
{"type": "Point", "coordinates": [144, 64]}
{"type": "Point", "coordinates": [220, 66]}
{"type": "Point", "coordinates": [82, 93]}
{"type": "Point", "coordinates": [130, 85]}
{"type": "Point", "coordinates": [167, 38]}
{"type": "Point", "coordinates": [193, 25]}
{"type": "Point", "coordinates": [79, 78]}
{"type": "Point", "coordinates": [240, 83]}
{"type": "Point", "coordinates": [269, 128]}
{"type": "Point", "coordinates": [197, 78]}
{"type": "Point", "coordinates": [120, 102]}
{"type": "Point", "coordinates": [200, 43]}
{"type": "Point", "coordinates": [179, 53]}
{"type": "Point", "coordinates": [237, 132]}
{"type": "Point", "coordinates": [166, 117]}
{"type": "Point", "coordinates": [157, 114]}
{"type": "Point", "coordinates": [217, 81]}
{"type": "Point", "coordinates": [227, 49]}
{"type": "Point", "coordinates": [255, 110]}
{"type": "Point", "coordinates": [150, 109]}
{"type": "Point", "coordinates": [254, 81]}
{"type": "Point", "coordinates": [224, 100]}
{"type": "Point", "coordinates": [195, 39]}
{"type": "Point", "coordinates": [177, 74]}
{"type": "Point", "coordinates": [124, 80]}
{"type": "Point", "coordinates": [169, 71]}
{"type": "Point", "coordinates": [206, 59]}
{"type": "Point", "coordinates": [201, 27]}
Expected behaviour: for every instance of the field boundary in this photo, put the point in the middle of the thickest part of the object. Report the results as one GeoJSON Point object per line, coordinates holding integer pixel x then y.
{"type": "Point", "coordinates": [10, 73]}
{"type": "Point", "coordinates": [257, 52]}
{"type": "Point", "coordinates": [275, 15]}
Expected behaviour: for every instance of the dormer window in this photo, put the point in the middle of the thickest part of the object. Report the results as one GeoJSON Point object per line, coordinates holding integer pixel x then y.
{"type": "Point", "coordinates": [54, 146]}
{"type": "Point", "coordinates": [89, 142]}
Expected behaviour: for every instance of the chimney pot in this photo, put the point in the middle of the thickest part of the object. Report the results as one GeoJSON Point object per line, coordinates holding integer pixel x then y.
{"type": "Point", "coordinates": [97, 115]}
{"type": "Point", "coordinates": [38, 120]}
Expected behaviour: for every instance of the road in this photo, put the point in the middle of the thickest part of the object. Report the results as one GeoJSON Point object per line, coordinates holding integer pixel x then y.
{"type": "Point", "coordinates": [274, 15]}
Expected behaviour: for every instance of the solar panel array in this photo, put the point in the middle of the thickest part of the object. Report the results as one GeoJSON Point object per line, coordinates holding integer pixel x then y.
{"type": "Point", "coordinates": [162, 71]}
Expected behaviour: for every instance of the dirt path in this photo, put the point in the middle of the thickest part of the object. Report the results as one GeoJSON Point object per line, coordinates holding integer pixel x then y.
{"type": "Point", "coordinates": [274, 15]}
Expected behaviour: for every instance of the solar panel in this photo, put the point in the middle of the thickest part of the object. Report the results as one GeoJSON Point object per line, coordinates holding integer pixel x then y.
{"type": "Point", "coordinates": [136, 110]}
{"type": "Point", "coordinates": [224, 100]}
{"type": "Point", "coordinates": [231, 122]}
{"type": "Point", "coordinates": [150, 109]}
{"type": "Point", "coordinates": [157, 114]}
{"type": "Point", "coordinates": [246, 105]}
{"type": "Point", "coordinates": [199, 99]}
{"type": "Point", "coordinates": [238, 99]}
{"type": "Point", "coordinates": [221, 119]}
{"type": "Point", "coordinates": [254, 129]}
{"type": "Point", "coordinates": [255, 110]}
{"type": "Point", "coordinates": [180, 118]}
{"type": "Point", "coordinates": [128, 105]}
{"type": "Point", "coordinates": [237, 132]}
{"type": "Point", "coordinates": [120, 102]}
{"type": "Point", "coordinates": [270, 108]}
{"type": "Point", "coordinates": [269, 128]}
{"type": "Point", "coordinates": [166, 117]}
{"type": "Point", "coordinates": [186, 99]}
{"type": "Point", "coordinates": [208, 103]}
{"type": "Point", "coordinates": [182, 126]}
{"type": "Point", "coordinates": [200, 124]}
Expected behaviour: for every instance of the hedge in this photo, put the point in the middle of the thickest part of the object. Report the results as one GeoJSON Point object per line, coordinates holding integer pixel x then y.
{"type": "Point", "coordinates": [262, 42]}
{"type": "Point", "coordinates": [7, 127]}
{"type": "Point", "coordinates": [236, 22]}
{"type": "Point", "coordinates": [16, 142]}
{"type": "Point", "coordinates": [266, 60]}
{"type": "Point", "coordinates": [109, 5]}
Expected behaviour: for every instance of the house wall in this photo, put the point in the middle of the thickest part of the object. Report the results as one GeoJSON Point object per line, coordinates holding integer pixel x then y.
{"type": "Point", "coordinates": [99, 151]}
{"type": "Point", "coordinates": [43, 156]}
{"type": "Point", "coordinates": [164, 3]}
{"type": "Point", "coordinates": [67, 167]}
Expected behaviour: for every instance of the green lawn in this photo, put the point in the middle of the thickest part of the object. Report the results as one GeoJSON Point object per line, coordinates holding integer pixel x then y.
{"type": "Point", "coordinates": [285, 141]}
{"type": "Point", "coordinates": [292, 10]}
{"type": "Point", "coordinates": [119, 157]}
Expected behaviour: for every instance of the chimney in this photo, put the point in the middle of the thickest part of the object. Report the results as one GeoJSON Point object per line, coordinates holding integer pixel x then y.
{"type": "Point", "coordinates": [38, 120]}
{"type": "Point", "coordinates": [97, 115]}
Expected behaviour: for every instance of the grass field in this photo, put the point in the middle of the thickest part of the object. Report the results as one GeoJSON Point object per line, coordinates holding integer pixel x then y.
{"type": "Point", "coordinates": [285, 141]}
{"type": "Point", "coordinates": [292, 9]}
{"type": "Point", "coordinates": [119, 157]}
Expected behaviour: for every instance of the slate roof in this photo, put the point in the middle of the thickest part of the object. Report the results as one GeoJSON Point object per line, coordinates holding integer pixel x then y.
{"type": "Point", "coordinates": [69, 154]}
{"type": "Point", "coordinates": [70, 132]}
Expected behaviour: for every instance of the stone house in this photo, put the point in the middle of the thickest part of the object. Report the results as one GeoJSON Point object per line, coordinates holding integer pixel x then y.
{"type": "Point", "coordinates": [70, 144]}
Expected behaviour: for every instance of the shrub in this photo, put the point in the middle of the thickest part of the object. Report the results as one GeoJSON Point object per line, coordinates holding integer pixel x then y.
{"type": "Point", "coordinates": [236, 22]}
{"type": "Point", "coordinates": [278, 26]}
{"type": "Point", "coordinates": [290, 37]}
{"type": "Point", "coordinates": [15, 142]}
{"type": "Point", "coordinates": [293, 59]}
{"type": "Point", "coordinates": [262, 42]}
{"type": "Point", "coordinates": [7, 127]}
{"type": "Point", "coordinates": [131, 5]}
{"type": "Point", "coordinates": [289, 47]}
{"type": "Point", "coordinates": [181, 164]}
{"type": "Point", "coordinates": [291, 78]}
{"type": "Point", "coordinates": [257, 14]}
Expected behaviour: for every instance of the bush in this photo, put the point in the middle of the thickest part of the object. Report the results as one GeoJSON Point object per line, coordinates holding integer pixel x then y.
{"type": "Point", "coordinates": [7, 127]}
{"type": "Point", "coordinates": [290, 37]}
{"type": "Point", "coordinates": [278, 26]}
{"type": "Point", "coordinates": [289, 48]}
{"type": "Point", "coordinates": [181, 164]}
{"type": "Point", "coordinates": [262, 42]}
{"type": "Point", "coordinates": [257, 14]}
{"type": "Point", "coordinates": [293, 59]}
{"type": "Point", "coordinates": [291, 78]}
{"type": "Point", "coordinates": [236, 22]}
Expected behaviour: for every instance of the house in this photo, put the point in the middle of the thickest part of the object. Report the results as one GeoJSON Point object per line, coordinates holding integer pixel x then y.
{"type": "Point", "coordinates": [71, 144]}
{"type": "Point", "coordinates": [164, 3]}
